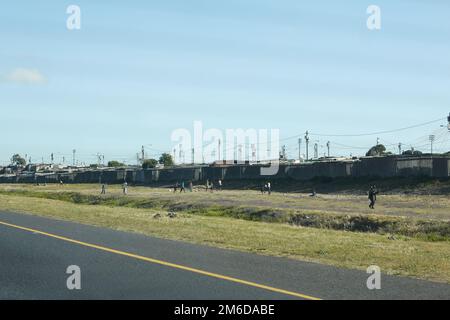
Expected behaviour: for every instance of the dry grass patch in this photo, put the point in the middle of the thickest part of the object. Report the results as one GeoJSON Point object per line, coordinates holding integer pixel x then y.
{"type": "Point", "coordinates": [403, 256]}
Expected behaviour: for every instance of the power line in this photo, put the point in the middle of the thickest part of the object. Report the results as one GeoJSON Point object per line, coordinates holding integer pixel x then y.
{"type": "Point", "coordinates": [268, 142]}
{"type": "Point", "coordinates": [379, 132]}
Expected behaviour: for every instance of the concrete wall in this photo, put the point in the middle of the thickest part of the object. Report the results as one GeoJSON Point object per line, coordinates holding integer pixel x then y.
{"type": "Point", "coordinates": [415, 167]}
{"type": "Point", "coordinates": [375, 166]}
{"type": "Point", "coordinates": [319, 169]}
{"type": "Point", "coordinates": [437, 166]}
{"type": "Point", "coordinates": [440, 167]}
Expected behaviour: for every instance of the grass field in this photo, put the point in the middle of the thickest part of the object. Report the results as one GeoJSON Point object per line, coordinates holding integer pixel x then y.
{"type": "Point", "coordinates": [405, 235]}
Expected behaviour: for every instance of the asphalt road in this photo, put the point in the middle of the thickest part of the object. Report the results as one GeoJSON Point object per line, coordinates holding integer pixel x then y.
{"type": "Point", "coordinates": [122, 265]}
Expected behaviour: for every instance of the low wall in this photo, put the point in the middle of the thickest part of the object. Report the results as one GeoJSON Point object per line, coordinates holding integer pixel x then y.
{"type": "Point", "coordinates": [437, 166]}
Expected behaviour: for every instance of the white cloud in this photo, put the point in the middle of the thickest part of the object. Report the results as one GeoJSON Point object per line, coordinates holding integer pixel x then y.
{"type": "Point", "coordinates": [26, 76]}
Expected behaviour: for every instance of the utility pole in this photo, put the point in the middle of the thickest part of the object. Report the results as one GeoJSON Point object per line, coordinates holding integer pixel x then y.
{"type": "Point", "coordinates": [142, 154]}
{"type": "Point", "coordinates": [192, 152]}
{"type": "Point", "coordinates": [51, 157]}
{"type": "Point", "coordinates": [316, 151]}
{"type": "Point", "coordinates": [73, 156]}
{"type": "Point", "coordinates": [307, 144]}
{"type": "Point", "coordinates": [400, 148]}
{"type": "Point", "coordinates": [328, 148]}
{"type": "Point", "coordinates": [283, 152]}
{"type": "Point", "coordinates": [378, 141]}
{"type": "Point", "coordinates": [299, 149]}
{"type": "Point", "coordinates": [246, 152]}
{"type": "Point", "coordinates": [432, 138]}
{"type": "Point", "coordinates": [218, 149]}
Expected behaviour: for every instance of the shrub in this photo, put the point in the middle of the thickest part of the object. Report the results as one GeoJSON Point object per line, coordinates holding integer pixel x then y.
{"type": "Point", "coordinates": [149, 163]}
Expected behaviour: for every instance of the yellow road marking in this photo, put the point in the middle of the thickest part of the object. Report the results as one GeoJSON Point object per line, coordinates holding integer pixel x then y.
{"type": "Point", "coordinates": [164, 263]}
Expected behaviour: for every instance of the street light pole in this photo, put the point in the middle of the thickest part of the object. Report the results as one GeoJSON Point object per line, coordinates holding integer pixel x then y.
{"type": "Point", "coordinates": [307, 144]}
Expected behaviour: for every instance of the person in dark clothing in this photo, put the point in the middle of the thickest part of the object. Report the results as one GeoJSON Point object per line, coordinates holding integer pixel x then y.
{"type": "Point", "coordinates": [182, 189]}
{"type": "Point", "coordinates": [372, 196]}
{"type": "Point", "coordinates": [175, 187]}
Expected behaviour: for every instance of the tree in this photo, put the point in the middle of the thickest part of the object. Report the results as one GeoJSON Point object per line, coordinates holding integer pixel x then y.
{"type": "Point", "coordinates": [18, 160]}
{"type": "Point", "coordinates": [411, 153]}
{"type": "Point", "coordinates": [377, 150]}
{"type": "Point", "coordinates": [166, 160]}
{"type": "Point", "coordinates": [115, 164]}
{"type": "Point", "coordinates": [149, 163]}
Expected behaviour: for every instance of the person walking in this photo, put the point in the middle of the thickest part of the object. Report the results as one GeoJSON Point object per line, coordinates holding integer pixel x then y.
{"type": "Point", "coordinates": [125, 188]}
{"type": "Point", "coordinates": [182, 187]}
{"type": "Point", "coordinates": [269, 188]}
{"type": "Point", "coordinates": [220, 185]}
{"type": "Point", "coordinates": [103, 188]}
{"type": "Point", "coordinates": [372, 196]}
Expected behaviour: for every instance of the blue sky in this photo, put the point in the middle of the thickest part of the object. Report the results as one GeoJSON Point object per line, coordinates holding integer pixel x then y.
{"type": "Point", "coordinates": [137, 70]}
